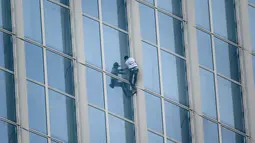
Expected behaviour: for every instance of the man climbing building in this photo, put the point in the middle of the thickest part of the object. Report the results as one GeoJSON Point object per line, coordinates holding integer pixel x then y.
{"type": "Point", "coordinates": [133, 71]}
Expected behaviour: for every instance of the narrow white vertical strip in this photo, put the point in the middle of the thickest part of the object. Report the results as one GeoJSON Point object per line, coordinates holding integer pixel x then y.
{"type": "Point", "coordinates": [79, 71]}
{"type": "Point", "coordinates": [136, 51]}
{"type": "Point", "coordinates": [193, 71]}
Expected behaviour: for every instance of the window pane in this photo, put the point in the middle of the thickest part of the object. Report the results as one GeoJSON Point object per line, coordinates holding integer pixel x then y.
{"type": "Point", "coordinates": [121, 131]}
{"type": "Point", "coordinates": [208, 93]}
{"type": "Point", "coordinates": [97, 126]}
{"type": "Point", "coordinates": [153, 138]}
{"type": "Point", "coordinates": [172, 6]}
{"type": "Point", "coordinates": [65, 2]}
{"type": "Point", "coordinates": [90, 7]}
{"type": "Point", "coordinates": [32, 20]}
{"type": "Point", "coordinates": [150, 68]}
{"type": "Point", "coordinates": [95, 91]}
{"type": "Point", "coordinates": [36, 138]}
{"type": "Point", "coordinates": [153, 112]}
{"type": "Point", "coordinates": [147, 21]}
{"type": "Point", "coordinates": [7, 96]}
{"type": "Point", "coordinates": [174, 78]}
{"type": "Point", "coordinates": [62, 117]}
{"type": "Point", "coordinates": [171, 34]}
{"type": "Point", "coordinates": [252, 27]}
{"type": "Point", "coordinates": [60, 72]}
{"type": "Point", "coordinates": [224, 21]}
{"type": "Point", "coordinates": [227, 59]}
{"type": "Point", "coordinates": [168, 141]}
{"type": "Point", "coordinates": [116, 46]}
{"type": "Point", "coordinates": [114, 13]}
{"type": "Point", "coordinates": [230, 99]}
{"type": "Point", "coordinates": [92, 45]}
{"type": "Point", "coordinates": [57, 27]}
{"type": "Point", "coordinates": [202, 13]}
{"type": "Point", "coordinates": [6, 51]}
{"type": "Point", "coordinates": [36, 107]}
{"type": "Point", "coordinates": [8, 133]}
{"type": "Point", "coordinates": [204, 46]}
{"type": "Point", "coordinates": [119, 98]}
{"type": "Point", "coordinates": [231, 137]}
{"type": "Point", "coordinates": [5, 15]}
{"type": "Point", "coordinates": [210, 132]}
{"type": "Point", "coordinates": [177, 123]}
{"type": "Point", "coordinates": [150, 1]}
{"type": "Point", "coordinates": [252, 1]}
{"type": "Point", "coordinates": [34, 62]}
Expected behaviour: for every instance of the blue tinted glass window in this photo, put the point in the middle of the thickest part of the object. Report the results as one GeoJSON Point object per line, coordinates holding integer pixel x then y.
{"type": "Point", "coordinates": [34, 62]}
{"type": "Point", "coordinates": [119, 98]}
{"type": "Point", "coordinates": [36, 107]}
{"type": "Point", "coordinates": [253, 62]}
{"type": "Point", "coordinates": [224, 20]}
{"type": "Point", "coordinates": [7, 96]}
{"type": "Point", "coordinates": [153, 112]}
{"type": "Point", "coordinates": [177, 123]}
{"type": "Point", "coordinates": [171, 34]}
{"type": "Point", "coordinates": [231, 137]}
{"type": "Point", "coordinates": [121, 131]}
{"type": "Point", "coordinates": [114, 13]}
{"type": "Point", "coordinates": [208, 93]}
{"type": "Point", "coordinates": [5, 15]}
{"type": "Point", "coordinates": [92, 46]}
{"type": "Point", "coordinates": [210, 132]}
{"type": "Point", "coordinates": [116, 47]}
{"type": "Point", "coordinates": [36, 138]}
{"type": "Point", "coordinates": [60, 72]}
{"type": "Point", "coordinates": [230, 99]}
{"type": "Point", "coordinates": [97, 126]}
{"type": "Point", "coordinates": [95, 91]}
{"type": "Point", "coordinates": [32, 20]}
{"type": "Point", "coordinates": [174, 78]}
{"type": "Point", "coordinates": [150, 68]}
{"type": "Point", "coordinates": [65, 2]}
{"type": "Point", "coordinates": [252, 1]}
{"type": "Point", "coordinates": [8, 133]}
{"type": "Point", "coordinates": [62, 117]}
{"type": "Point", "coordinates": [147, 21]}
{"type": "Point", "coordinates": [227, 59]}
{"type": "Point", "coordinates": [172, 6]}
{"type": "Point", "coordinates": [202, 13]}
{"type": "Point", "coordinates": [90, 7]}
{"type": "Point", "coordinates": [204, 46]}
{"type": "Point", "coordinates": [153, 138]}
{"type": "Point", "coordinates": [252, 27]}
{"type": "Point", "coordinates": [150, 1]}
{"type": "Point", "coordinates": [6, 51]}
{"type": "Point", "coordinates": [57, 27]}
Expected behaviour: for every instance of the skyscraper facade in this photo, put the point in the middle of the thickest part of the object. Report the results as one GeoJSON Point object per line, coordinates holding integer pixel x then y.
{"type": "Point", "coordinates": [196, 80]}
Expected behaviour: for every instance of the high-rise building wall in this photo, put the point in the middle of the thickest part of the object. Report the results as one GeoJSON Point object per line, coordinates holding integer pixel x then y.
{"type": "Point", "coordinates": [196, 61]}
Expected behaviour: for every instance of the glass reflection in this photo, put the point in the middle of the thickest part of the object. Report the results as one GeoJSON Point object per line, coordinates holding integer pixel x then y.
{"type": "Point", "coordinates": [171, 34]}
{"type": "Point", "coordinates": [36, 138]}
{"type": "Point", "coordinates": [90, 7]}
{"type": "Point", "coordinates": [92, 45]}
{"type": "Point", "coordinates": [252, 27]}
{"type": "Point", "coordinates": [153, 112]}
{"type": "Point", "coordinates": [60, 72]}
{"type": "Point", "coordinates": [172, 6]}
{"type": "Point", "coordinates": [32, 20]}
{"type": "Point", "coordinates": [147, 20]}
{"type": "Point", "coordinates": [174, 78]}
{"type": "Point", "coordinates": [34, 62]}
{"type": "Point", "coordinates": [210, 132]}
{"type": "Point", "coordinates": [224, 20]}
{"type": "Point", "coordinates": [114, 13]}
{"type": "Point", "coordinates": [231, 137]}
{"type": "Point", "coordinates": [150, 67]}
{"type": "Point", "coordinates": [230, 99]}
{"type": "Point", "coordinates": [57, 27]}
{"type": "Point", "coordinates": [227, 59]}
{"type": "Point", "coordinates": [8, 133]}
{"type": "Point", "coordinates": [7, 96]}
{"type": "Point", "coordinates": [5, 15]}
{"type": "Point", "coordinates": [121, 131]}
{"type": "Point", "coordinates": [208, 93]}
{"type": "Point", "coordinates": [36, 107]}
{"type": "Point", "coordinates": [153, 138]}
{"type": "Point", "coordinates": [62, 117]}
{"type": "Point", "coordinates": [6, 51]}
{"type": "Point", "coordinates": [97, 126]}
{"type": "Point", "coordinates": [202, 13]}
{"type": "Point", "coordinates": [177, 123]}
